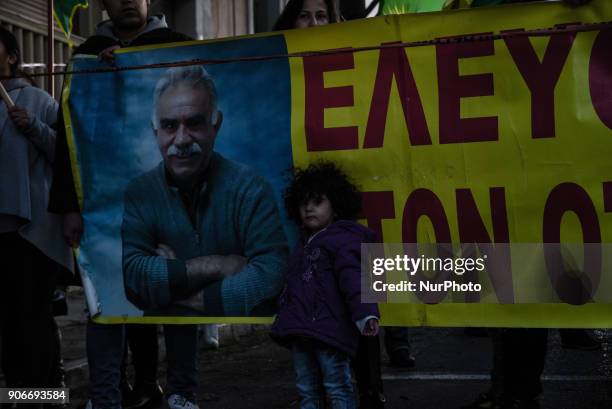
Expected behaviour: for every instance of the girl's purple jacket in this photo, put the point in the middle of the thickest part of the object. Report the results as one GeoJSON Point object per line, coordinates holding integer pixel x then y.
{"type": "Point", "coordinates": [322, 295]}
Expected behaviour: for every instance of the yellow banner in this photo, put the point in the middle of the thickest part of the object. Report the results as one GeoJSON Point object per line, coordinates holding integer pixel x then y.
{"type": "Point", "coordinates": [501, 137]}
{"type": "Point", "coordinates": [488, 126]}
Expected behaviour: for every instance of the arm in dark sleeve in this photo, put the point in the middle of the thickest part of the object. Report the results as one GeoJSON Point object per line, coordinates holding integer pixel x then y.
{"type": "Point", "coordinates": [347, 266]}
{"type": "Point", "coordinates": [62, 196]}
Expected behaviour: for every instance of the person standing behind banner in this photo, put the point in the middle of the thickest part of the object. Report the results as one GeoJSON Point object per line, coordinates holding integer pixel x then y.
{"type": "Point", "coordinates": [519, 354]}
{"type": "Point", "coordinates": [32, 252]}
{"type": "Point", "coordinates": [321, 315]}
{"type": "Point", "coordinates": [307, 13]}
{"type": "Point", "coordinates": [130, 25]}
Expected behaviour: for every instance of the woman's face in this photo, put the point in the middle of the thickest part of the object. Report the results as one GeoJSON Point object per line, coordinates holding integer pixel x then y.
{"type": "Point", "coordinates": [314, 13]}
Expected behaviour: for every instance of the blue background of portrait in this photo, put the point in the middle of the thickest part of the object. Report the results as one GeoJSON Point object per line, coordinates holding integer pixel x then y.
{"type": "Point", "coordinates": [111, 123]}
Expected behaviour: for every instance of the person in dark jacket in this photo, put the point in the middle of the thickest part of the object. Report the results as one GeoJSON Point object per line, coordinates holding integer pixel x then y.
{"type": "Point", "coordinates": [519, 354]}
{"type": "Point", "coordinates": [129, 25]}
{"type": "Point", "coordinates": [320, 313]}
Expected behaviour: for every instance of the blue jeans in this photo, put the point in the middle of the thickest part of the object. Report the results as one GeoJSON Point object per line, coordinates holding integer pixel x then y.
{"type": "Point", "coordinates": [105, 348]}
{"type": "Point", "coordinates": [320, 369]}
{"type": "Point", "coordinates": [104, 355]}
{"type": "Point", "coordinates": [182, 356]}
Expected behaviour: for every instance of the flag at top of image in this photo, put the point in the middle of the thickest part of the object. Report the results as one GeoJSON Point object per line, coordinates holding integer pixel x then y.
{"type": "Point", "coordinates": [411, 6]}
{"type": "Point", "coordinates": [64, 10]}
{"type": "Point", "coordinates": [424, 6]}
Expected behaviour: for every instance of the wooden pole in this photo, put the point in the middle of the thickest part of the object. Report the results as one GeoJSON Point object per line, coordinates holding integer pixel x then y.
{"type": "Point", "coordinates": [5, 96]}
{"type": "Point", "coordinates": [50, 48]}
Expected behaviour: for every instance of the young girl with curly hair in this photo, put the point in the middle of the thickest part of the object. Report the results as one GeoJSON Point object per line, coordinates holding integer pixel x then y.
{"type": "Point", "coordinates": [321, 314]}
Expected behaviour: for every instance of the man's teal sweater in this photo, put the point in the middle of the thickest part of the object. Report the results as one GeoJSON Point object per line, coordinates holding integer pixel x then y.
{"type": "Point", "coordinates": [236, 214]}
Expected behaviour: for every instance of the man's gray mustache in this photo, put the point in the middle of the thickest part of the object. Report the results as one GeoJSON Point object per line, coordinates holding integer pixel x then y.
{"type": "Point", "coordinates": [193, 149]}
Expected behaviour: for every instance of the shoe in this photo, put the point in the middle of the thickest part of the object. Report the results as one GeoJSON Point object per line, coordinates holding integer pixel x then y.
{"type": "Point", "coordinates": [578, 339]}
{"type": "Point", "coordinates": [56, 406]}
{"type": "Point", "coordinates": [401, 358]}
{"type": "Point", "coordinates": [176, 401]}
{"type": "Point", "coordinates": [484, 401]}
{"type": "Point", "coordinates": [372, 401]}
{"type": "Point", "coordinates": [144, 397]}
{"type": "Point", "coordinates": [126, 390]}
{"type": "Point", "coordinates": [208, 335]}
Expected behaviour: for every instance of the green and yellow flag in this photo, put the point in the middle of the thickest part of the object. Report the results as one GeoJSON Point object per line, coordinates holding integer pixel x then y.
{"type": "Point", "coordinates": [424, 6]}
{"type": "Point", "coordinates": [64, 10]}
{"type": "Point", "coordinates": [412, 6]}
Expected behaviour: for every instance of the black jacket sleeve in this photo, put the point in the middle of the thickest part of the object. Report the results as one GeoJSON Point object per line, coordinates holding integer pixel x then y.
{"type": "Point", "coordinates": [62, 196]}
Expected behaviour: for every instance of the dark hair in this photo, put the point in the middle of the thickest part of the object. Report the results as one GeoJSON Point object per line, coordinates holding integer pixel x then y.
{"type": "Point", "coordinates": [12, 48]}
{"type": "Point", "coordinates": [318, 179]}
{"type": "Point", "coordinates": [292, 10]}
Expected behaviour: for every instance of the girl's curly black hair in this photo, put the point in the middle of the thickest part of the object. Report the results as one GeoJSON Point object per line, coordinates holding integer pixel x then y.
{"type": "Point", "coordinates": [318, 179]}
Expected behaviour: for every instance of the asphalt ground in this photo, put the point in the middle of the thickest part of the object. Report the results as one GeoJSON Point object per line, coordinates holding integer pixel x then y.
{"type": "Point", "coordinates": [250, 371]}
